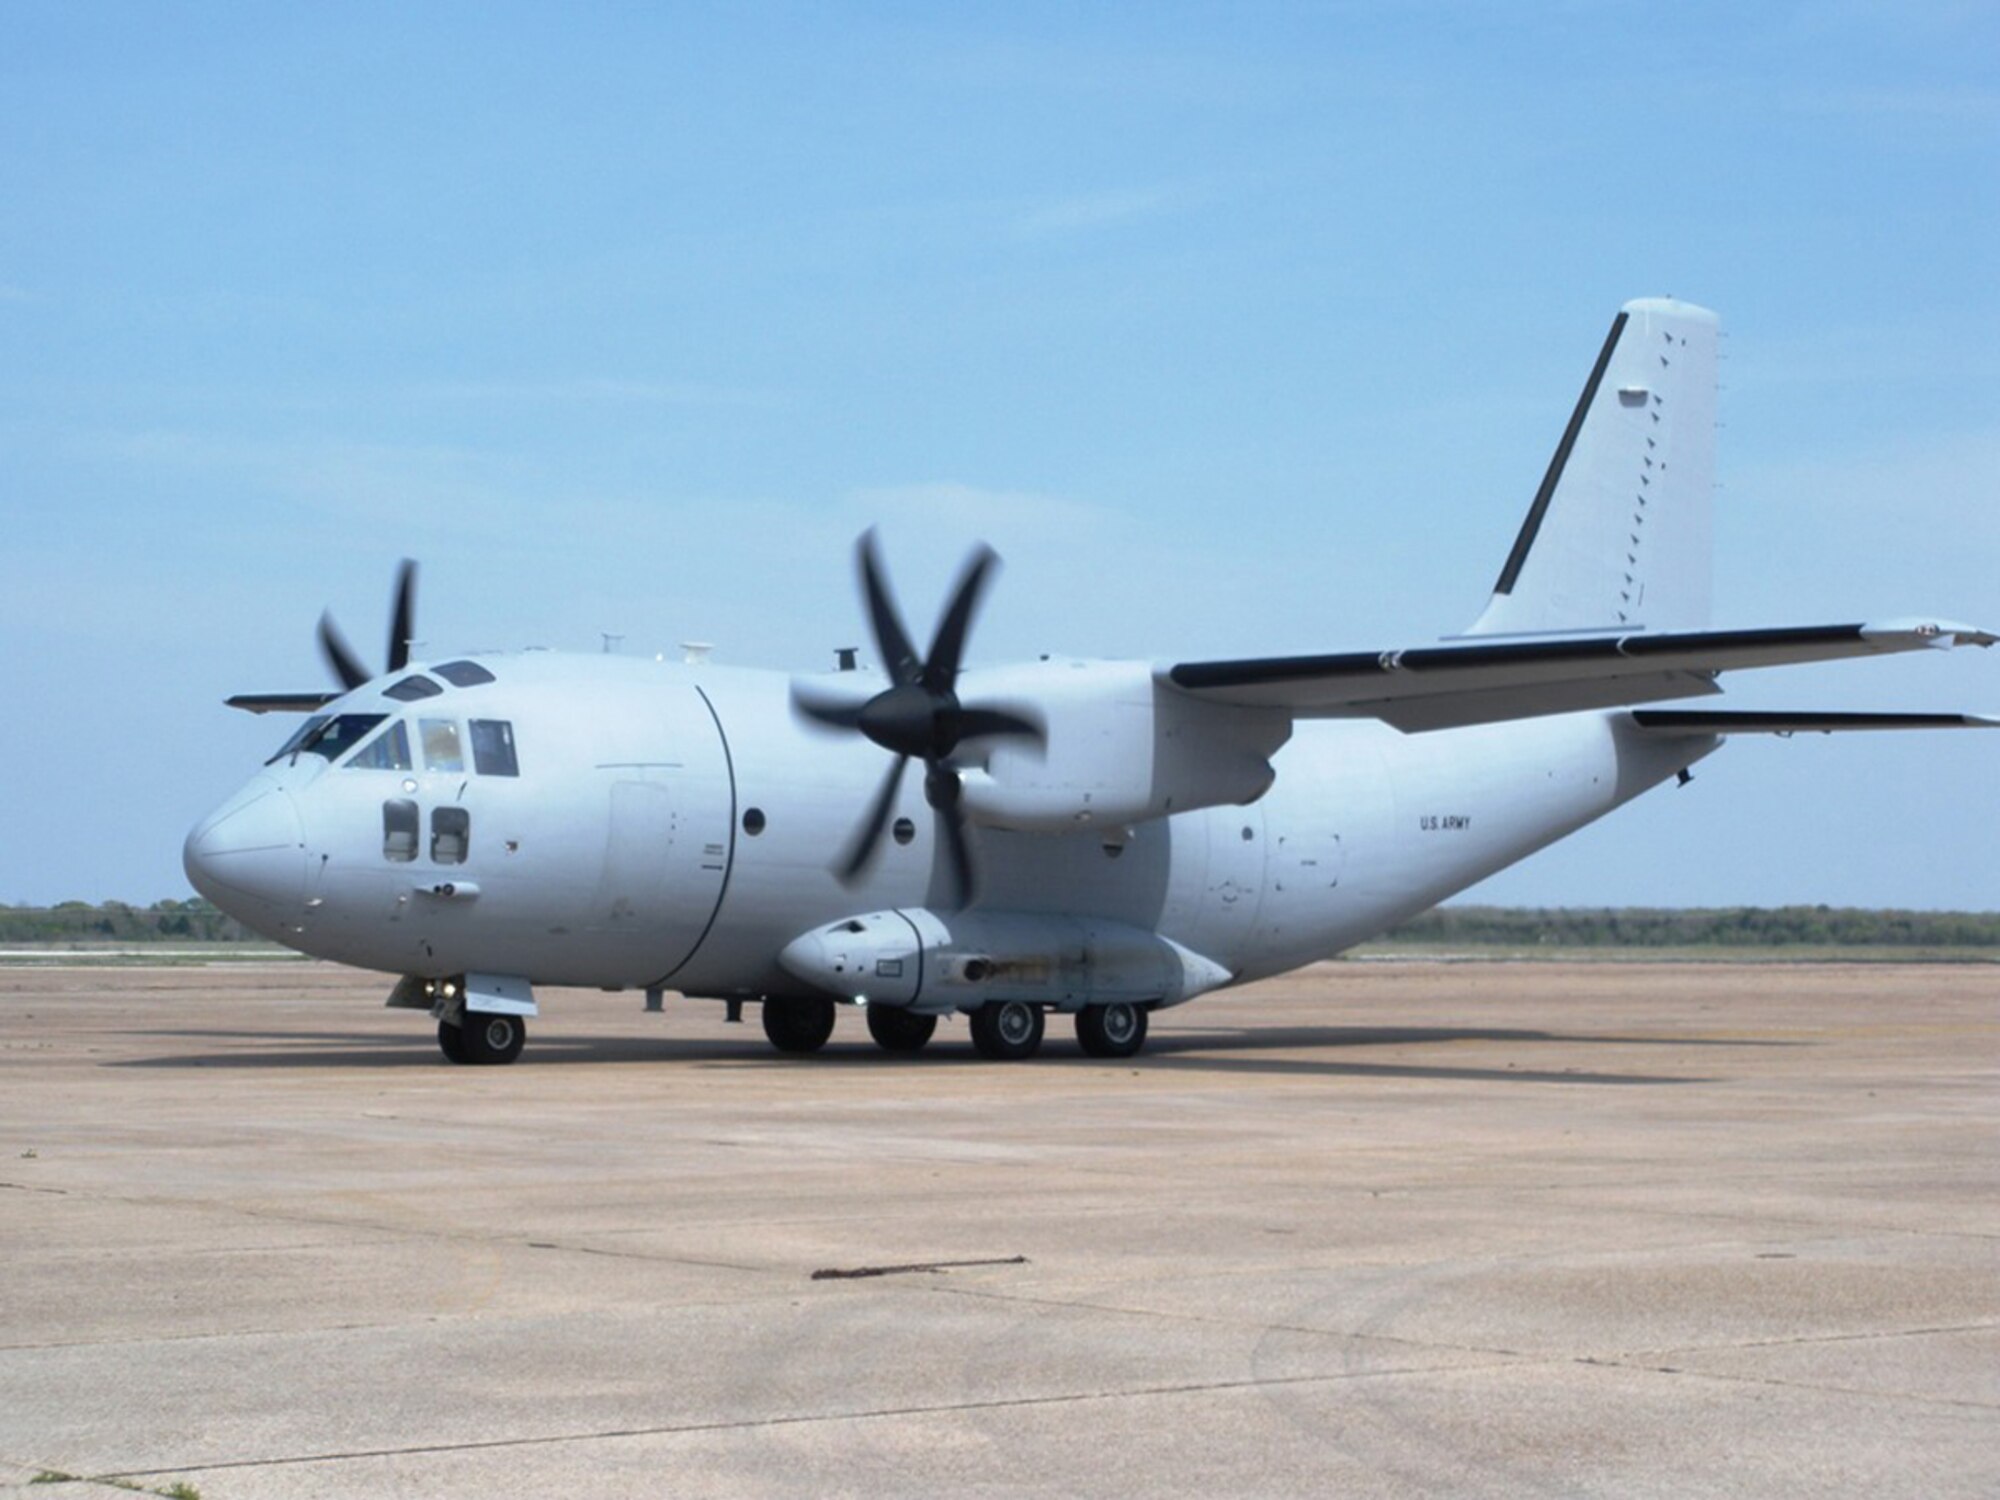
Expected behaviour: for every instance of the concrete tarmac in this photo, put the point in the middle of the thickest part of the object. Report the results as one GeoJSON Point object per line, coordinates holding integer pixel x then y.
{"type": "Point", "coordinates": [1371, 1229]}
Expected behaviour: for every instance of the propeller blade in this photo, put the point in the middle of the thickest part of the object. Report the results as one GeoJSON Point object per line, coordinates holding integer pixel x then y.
{"type": "Point", "coordinates": [898, 655]}
{"type": "Point", "coordinates": [985, 723]}
{"type": "Point", "coordinates": [944, 792]}
{"type": "Point", "coordinates": [339, 655]}
{"type": "Point", "coordinates": [948, 645]}
{"type": "Point", "coordinates": [403, 620]}
{"type": "Point", "coordinates": [860, 851]}
{"type": "Point", "coordinates": [825, 709]}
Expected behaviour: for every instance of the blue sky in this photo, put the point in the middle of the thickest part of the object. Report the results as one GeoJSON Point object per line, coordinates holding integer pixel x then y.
{"type": "Point", "coordinates": [1238, 329]}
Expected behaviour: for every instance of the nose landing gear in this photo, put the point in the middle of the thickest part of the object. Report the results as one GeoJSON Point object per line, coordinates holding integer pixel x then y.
{"type": "Point", "coordinates": [482, 1040]}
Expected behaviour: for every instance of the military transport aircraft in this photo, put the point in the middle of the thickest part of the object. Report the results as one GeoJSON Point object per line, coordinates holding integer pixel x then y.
{"type": "Point", "coordinates": [1093, 838]}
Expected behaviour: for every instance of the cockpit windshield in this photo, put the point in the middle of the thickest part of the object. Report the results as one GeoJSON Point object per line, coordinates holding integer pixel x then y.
{"type": "Point", "coordinates": [300, 735]}
{"type": "Point", "coordinates": [329, 735]}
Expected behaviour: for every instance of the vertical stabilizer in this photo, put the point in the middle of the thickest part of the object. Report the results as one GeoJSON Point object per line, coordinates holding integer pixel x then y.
{"type": "Point", "coordinates": [1618, 535]}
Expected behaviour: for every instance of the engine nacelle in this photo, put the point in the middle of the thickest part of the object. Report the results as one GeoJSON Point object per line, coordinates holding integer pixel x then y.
{"type": "Point", "coordinates": [1122, 749]}
{"type": "Point", "coordinates": [938, 964]}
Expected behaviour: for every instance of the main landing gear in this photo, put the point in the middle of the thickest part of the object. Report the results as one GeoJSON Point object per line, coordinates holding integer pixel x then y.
{"type": "Point", "coordinates": [1007, 1030]}
{"type": "Point", "coordinates": [898, 1030]}
{"type": "Point", "coordinates": [1117, 1030]}
{"type": "Point", "coordinates": [1002, 1030]}
{"type": "Point", "coordinates": [798, 1025]}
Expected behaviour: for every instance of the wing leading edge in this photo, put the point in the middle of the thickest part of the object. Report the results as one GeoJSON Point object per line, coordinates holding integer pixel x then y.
{"type": "Point", "coordinates": [1472, 681]}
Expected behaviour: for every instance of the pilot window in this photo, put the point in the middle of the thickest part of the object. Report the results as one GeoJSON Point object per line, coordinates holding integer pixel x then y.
{"type": "Point", "coordinates": [331, 737]}
{"type": "Point", "coordinates": [410, 689]}
{"type": "Point", "coordinates": [451, 833]}
{"type": "Point", "coordinates": [493, 748]}
{"type": "Point", "coordinates": [441, 748]}
{"type": "Point", "coordinates": [388, 751]}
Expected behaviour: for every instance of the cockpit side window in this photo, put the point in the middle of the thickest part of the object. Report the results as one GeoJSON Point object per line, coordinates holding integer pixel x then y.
{"type": "Point", "coordinates": [333, 737]}
{"type": "Point", "coordinates": [304, 732]}
{"type": "Point", "coordinates": [442, 751]}
{"type": "Point", "coordinates": [493, 748]}
{"type": "Point", "coordinates": [388, 751]}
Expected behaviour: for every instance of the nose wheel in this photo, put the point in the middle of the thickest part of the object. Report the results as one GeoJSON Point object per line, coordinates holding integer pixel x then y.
{"type": "Point", "coordinates": [482, 1040]}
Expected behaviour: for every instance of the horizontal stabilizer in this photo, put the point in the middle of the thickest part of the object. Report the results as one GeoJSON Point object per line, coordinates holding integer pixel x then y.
{"type": "Point", "coordinates": [1751, 721]}
{"type": "Point", "coordinates": [1481, 681]}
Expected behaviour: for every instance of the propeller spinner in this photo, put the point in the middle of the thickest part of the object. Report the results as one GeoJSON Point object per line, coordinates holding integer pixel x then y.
{"type": "Point", "coordinates": [919, 715]}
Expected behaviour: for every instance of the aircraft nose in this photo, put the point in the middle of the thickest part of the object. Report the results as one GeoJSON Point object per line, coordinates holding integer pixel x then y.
{"type": "Point", "coordinates": [253, 846]}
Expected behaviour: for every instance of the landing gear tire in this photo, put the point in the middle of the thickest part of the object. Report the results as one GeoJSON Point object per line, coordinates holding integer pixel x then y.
{"type": "Point", "coordinates": [899, 1030]}
{"type": "Point", "coordinates": [451, 1041]}
{"type": "Point", "coordinates": [1007, 1030]}
{"type": "Point", "coordinates": [1117, 1030]}
{"type": "Point", "coordinates": [489, 1040]}
{"type": "Point", "coordinates": [796, 1025]}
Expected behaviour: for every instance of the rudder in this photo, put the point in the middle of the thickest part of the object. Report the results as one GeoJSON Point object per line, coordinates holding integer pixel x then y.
{"type": "Point", "coordinates": [1618, 537]}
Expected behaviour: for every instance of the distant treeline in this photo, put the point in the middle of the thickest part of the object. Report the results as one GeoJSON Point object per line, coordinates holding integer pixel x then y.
{"type": "Point", "coordinates": [1695, 927]}
{"type": "Point", "coordinates": [114, 922]}
{"type": "Point", "coordinates": [1451, 926]}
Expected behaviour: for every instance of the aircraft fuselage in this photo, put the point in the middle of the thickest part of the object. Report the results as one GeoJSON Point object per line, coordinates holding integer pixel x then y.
{"type": "Point", "coordinates": [671, 825]}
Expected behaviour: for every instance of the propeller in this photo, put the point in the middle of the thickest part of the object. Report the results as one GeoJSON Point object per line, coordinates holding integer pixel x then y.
{"type": "Point", "coordinates": [340, 656]}
{"type": "Point", "coordinates": [402, 622]}
{"type": "Point", "coordinates": [919, 715]}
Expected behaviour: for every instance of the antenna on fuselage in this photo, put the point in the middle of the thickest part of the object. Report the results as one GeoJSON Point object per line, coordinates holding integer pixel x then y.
{"type": "Point", "coordinates": [695, 653]}
{"type": "Point", "coordinates": [611, 640]}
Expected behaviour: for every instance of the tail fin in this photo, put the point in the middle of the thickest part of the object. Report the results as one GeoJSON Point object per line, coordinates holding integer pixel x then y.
{"type": "Point", "coordinates": [1618, 536]}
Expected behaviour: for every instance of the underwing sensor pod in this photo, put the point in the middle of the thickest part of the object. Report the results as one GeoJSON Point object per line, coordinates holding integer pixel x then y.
{"type": "Point", "coordinates": [1092, 839]}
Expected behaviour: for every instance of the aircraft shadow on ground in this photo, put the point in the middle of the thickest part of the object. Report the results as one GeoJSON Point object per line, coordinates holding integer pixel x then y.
{"type": "Point", "coordinates": [1224, 1050]}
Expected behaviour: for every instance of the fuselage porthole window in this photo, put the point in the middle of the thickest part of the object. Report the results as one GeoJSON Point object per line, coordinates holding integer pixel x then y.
{"type": "Point", "coordinates": [399, 830]}
{"type": "Point", "coordinates": [493, 748]}
{"type": "Point", "coordinates": [451, 835]}
{"type": "Point", "coordinates": [388, 751]}
{"type": "Point", "coordinates": [442, 751]}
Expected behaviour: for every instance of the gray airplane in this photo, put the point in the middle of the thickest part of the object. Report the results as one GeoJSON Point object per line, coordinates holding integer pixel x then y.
{"type": "Point", "coordinates": [1093, 838]}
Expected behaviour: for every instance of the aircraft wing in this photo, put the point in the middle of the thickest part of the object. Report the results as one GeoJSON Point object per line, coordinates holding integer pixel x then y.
{"type": "Point", "coordinates": [280, 703]}
{"type": "Point", "coordinates": [1485, 680]}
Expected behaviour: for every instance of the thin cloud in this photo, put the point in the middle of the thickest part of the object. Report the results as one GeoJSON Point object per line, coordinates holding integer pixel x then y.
{"type": "Point", "coordinates": [1088, 212]}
